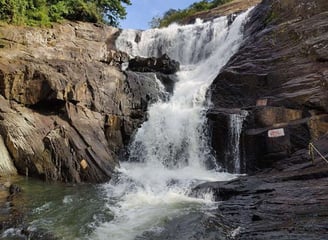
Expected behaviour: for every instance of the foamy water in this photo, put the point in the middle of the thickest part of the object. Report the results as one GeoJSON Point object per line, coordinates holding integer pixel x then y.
{"type": "Point", "coordinates": [170, 153]}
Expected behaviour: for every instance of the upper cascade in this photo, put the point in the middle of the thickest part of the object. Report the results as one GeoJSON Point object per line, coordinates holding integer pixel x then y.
{"type": "Point", "coordinates": [188, 44]}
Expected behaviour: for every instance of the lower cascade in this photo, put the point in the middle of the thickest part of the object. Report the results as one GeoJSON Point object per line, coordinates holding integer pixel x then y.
{"type": "Point", "coordinates": [170, 153]}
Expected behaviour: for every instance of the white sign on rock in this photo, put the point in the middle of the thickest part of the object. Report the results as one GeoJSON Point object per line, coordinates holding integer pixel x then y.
{"type": "Point", "coordinates": [262, 102]}
{"type": "Point", "coordinates": [274, 133]}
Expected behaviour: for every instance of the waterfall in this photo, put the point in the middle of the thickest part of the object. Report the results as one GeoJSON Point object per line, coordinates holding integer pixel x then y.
{"type": "Point", "coordinates": [169, 154]}
{"type": "Point", "coordinates": [236, 121]}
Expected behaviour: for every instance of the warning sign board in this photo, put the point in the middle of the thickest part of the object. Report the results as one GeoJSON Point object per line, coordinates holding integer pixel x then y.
{"type": "Point", "coordinates": [274, 133]}
{"type": "Point", "coordinates": [262, 102]}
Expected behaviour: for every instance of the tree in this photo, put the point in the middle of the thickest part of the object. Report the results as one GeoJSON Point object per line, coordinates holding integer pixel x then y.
{"type": "Point", "coordinates": [200, 6]}
{"type": "Point", "coordinates": [13, 10]}
{"type": "Point", "coordinates": [43, 12]}
{"type": "Point", "coordinates": [113, 10]}
{"type": "Point", "coordinates": [155, 22]}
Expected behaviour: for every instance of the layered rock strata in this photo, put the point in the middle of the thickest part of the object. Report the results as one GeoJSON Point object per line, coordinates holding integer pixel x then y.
{"type": "Point", "coordinates": [67, 109]}
{"type": "Point", "coordinates": [279, 76]}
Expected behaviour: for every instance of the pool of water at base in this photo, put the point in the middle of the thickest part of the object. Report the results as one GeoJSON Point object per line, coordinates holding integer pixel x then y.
{"type": "Point", "coordinates": [79, 211]}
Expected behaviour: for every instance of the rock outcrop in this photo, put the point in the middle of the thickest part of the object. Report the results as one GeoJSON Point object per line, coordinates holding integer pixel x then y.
{"type": "Point", "coordinates": [162, 64]}
{"type": "Point", "coordinates": [230, 9]}
{"type": "Point", "coordinates": [288, 201]}
{"type": "Point", "coordinates": [164, 67]}
{"type": "Point", "coordinates": [67, 110]}
{"type": "Point", "coordinates": [279, 76]}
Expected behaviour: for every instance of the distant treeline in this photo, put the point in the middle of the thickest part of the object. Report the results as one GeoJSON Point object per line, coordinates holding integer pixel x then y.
{"type": "Point", "coordinates": [174, 15]}
{"type": "Point", "coordinates": [44, 12]}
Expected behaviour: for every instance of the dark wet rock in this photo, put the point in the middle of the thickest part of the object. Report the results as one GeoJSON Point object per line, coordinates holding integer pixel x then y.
{"type": "Point", "coordinates": [261, 150]}
{"type": "Point", "coordinates": [231, 17]}
{"type": "Point", "coordinates": [200, 226]}
{"type": "Point", "coordinates": [278, 76]}
{"type": "Point", "coordinates": [141, 89]}
{"type": "Point", "coordinates": [38, 234]}
{"type": "Point", "coordinates": [162, 64]}
{"type": "Point", "coordinates": [11, 217]}
{"type": "Point", "coordinates": [219, 121]}
{"type": "Point", "coordinates": [276, 61]}
{"type": "Point", "coordinates": [287, 201]}
{"type": "Point", "coordinates": [168, 80]}
{"type": "Point", "coordinates": [222, 191]}
{"type": "Point", "coordinates": [14, 189]}
{"type": "Point", "coordinates": [163, 67]}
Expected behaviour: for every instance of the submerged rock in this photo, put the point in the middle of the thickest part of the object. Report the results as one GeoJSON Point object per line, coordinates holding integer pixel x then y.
{"type": "Point", "coordinates": [14, 189]}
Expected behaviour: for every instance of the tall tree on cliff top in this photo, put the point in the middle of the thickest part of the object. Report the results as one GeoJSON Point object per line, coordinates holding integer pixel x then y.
{"type": "Point", "coordinates": [42, 12]}
{"type": "Point", "coordinates": [113, 10]}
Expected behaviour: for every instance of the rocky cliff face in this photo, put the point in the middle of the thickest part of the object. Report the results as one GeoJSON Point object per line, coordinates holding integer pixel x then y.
{"type": "Point", "coordinates": [277, 81]}
{"type": "Point", "coordinates": [67, 109]}
{"type": "Point", "coordinates": [279, 75]}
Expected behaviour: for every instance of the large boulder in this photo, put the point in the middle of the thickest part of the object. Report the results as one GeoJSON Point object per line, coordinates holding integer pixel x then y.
{"type": "Point", "coordinates": [163, 64]}
{"type": "Point", "coordinates": [164, 67]}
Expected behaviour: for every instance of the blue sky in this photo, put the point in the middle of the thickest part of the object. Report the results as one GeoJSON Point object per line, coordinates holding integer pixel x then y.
{"type": "Point", "coordinates": [141, 11]}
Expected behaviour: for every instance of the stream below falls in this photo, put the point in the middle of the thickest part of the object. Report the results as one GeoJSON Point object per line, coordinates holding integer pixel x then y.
{"type": "Point", "coordinates": [168, 157]}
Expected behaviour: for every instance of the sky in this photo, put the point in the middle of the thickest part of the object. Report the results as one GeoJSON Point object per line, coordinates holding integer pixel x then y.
{"type": "Point", "coordinates": [141, 12]}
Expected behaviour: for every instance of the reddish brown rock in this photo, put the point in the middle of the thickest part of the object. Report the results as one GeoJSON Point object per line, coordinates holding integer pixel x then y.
{"type": "Point", "coordinates": [67, 110]}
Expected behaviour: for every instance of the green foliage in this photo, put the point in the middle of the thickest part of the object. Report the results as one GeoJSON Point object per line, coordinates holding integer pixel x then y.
{"type": "Point", "coordinates": [173, 15]}
{"type": "Point", "coordinates": [13, 10]}
{"type": "Point", "coordinates": [113, 10]}
{"type": "Point", "coordinates": [58, 10]}
{"type": "Point", "coordinates": [44, 12]}
{"type": "Point", "coordinates": [82, 10]}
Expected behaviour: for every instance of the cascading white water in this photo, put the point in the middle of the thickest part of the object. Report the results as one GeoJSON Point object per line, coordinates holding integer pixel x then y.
{"type": "Point", "coordinates": [170, 147]}
{"type": "Point", "coordinates": [235, 127]}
